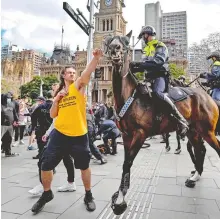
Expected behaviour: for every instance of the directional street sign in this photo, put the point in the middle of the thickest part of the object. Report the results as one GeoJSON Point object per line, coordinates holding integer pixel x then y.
{"type": "Point", "coordinates": [76, 17]}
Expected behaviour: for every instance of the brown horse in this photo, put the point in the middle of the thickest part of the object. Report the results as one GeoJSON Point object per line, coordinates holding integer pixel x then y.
{"type": "Point", "coordinates": [138, 122]}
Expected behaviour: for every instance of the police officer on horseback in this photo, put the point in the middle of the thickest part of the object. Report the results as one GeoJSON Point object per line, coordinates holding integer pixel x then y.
{"type": "Point", "coordinates": [156, 67]}
{"type": "Point", "coordinates": [213, 78]}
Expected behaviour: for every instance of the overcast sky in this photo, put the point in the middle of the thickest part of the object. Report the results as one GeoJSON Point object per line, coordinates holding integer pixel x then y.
{"type": "Point", "coordinates": [37, 24]}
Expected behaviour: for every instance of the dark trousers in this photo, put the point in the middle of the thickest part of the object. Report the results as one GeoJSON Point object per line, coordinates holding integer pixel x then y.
{"type": "Point", "coordinates": [6, 137]}
{"type": "Point", "coordinates": [159, 87]}
{"type": "Point", "coordinates": [94, 150]}
{"type": "Point", "coordinates": [68, 163]}
{"type": "Point", "coordinates": [19, 132]}
{"type": "Point", "coordinates": [40, 132]}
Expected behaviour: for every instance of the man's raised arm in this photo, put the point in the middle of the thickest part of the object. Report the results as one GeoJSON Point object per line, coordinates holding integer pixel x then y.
{"type": "Point", "coordinates": [84, 79]}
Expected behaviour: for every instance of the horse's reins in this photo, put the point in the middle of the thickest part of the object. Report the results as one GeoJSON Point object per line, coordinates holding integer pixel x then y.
{"type": "Point", "coordinates": [196, 79]}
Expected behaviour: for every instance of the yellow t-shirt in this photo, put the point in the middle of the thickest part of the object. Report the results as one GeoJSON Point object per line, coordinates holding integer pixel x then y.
{"type": "Point", "coordinates": [71, 119]}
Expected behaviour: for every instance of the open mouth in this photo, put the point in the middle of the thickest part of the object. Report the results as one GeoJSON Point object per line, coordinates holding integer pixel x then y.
{"type": "Point", "coordinates": [116, 58]}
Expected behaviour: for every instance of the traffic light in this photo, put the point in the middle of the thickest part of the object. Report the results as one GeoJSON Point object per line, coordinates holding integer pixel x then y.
{"type": "Point", "coordinates": [98, 73]}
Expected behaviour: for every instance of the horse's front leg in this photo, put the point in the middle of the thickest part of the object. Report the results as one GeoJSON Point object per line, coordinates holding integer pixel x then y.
{"type": "Point", "coordinates": [132, 145]}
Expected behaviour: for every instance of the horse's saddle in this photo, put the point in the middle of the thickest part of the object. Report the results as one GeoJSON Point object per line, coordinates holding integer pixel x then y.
{"type": "Point", "coordinates": [178, 93]}
{"type": "Point", "coordinates": [174, 93]}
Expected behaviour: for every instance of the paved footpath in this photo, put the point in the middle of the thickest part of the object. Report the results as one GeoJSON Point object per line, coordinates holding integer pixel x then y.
{"type": "Point", "coordinates": [157, 187]}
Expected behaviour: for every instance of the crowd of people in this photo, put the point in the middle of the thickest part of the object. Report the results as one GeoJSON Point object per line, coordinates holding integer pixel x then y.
{"type": "Point", "coordinates": [21, 118]}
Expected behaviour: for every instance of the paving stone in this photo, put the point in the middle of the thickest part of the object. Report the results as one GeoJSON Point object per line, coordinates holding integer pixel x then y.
{"type": "Point", "coordinates": [78, 211]}
{"type": "Point", "coordinates": [167, 181]}
{"type": "Point", "coordinates": [104, 190]}
{"type": "Point", "coordinates": [29, 183]}
{"type": "Point", "coordinates": [11, 193]}
{"type": "Point", "coordinates": [168, 190]}
{"type": "Point", "coordinates": [201, 183]}
{"type": "Point", "coordinates": [166, 172]}
{"type": "Point", "coordinates": [207, 207]}
{"type": "Point", "coordinates": [199, 192]}
{"type": "Point", "coordinates": [156, 214]}
{"type": "Point", "coordinates": [8, 172]}
{"type": "Point", "coordinates": [218, 203]}
{"type": "Point", "coordinates": [20, 177]}
{"type": "Point", "coordinates": [174, 203]}
{"type": "Point", "coordinates": [217, 181]}
{"type": "Point", "coordinates": [6, 215]}
{"type": "Point", "coordinates": [41, 215]}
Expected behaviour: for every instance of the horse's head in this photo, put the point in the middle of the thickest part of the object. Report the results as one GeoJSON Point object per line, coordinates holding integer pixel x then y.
{"type": "Point", "coordinates": [115, 47]}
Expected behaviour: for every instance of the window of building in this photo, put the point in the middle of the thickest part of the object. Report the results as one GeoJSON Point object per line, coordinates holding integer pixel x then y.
{"type": "Point", "coordinates": [111, 24]}
{"type": "Point", "coordinates": [103, 25]}
{"type": "Point", "coordinates": [107, 25]}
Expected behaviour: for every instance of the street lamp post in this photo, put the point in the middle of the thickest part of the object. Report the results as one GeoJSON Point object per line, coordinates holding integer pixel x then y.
{"type": "Point", "coordinates": [90, 48]}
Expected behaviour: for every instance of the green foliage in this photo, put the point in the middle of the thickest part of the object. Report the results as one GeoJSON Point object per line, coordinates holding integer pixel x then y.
{"type": "Point", "coordinates": [32, 88]}
{"type": "Point", "coordinates": [176, 71]}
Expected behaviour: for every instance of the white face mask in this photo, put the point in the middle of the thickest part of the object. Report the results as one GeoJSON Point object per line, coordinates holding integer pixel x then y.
{"type": "Point", "coordinates": [8, 100]}
{"type": "Point", "coordinates": [210, 61]}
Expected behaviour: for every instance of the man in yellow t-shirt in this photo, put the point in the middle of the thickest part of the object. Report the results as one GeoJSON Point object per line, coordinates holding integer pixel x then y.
{"type": "Point", "coordinates": [70, 132]}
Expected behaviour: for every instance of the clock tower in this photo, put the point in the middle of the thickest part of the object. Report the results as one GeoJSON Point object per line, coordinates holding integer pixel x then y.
{"type": "Point", "coordinates": [109, 21]}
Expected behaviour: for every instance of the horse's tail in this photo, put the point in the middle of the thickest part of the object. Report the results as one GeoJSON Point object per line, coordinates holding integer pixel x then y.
{"type": "Point", "coordinates": [218, 123]}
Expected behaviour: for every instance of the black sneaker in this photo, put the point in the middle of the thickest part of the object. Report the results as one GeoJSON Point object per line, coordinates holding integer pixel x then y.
{"type": "Point", "coordinates": [103, 161]}
{"type": "Point", "coordinates": [90, 204]}
{"type": "Point", "coordinates": [36, 157]}
{"type": "Point", "coordinates": [11, 154]}
{"type": "Point", "coordinates": [39, 205]}
{"type": "Point", "coordinates": [177, 151]}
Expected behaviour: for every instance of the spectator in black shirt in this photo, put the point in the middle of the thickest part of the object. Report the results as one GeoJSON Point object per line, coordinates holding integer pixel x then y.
{"type": "Point", "coordinates": [41, 121]}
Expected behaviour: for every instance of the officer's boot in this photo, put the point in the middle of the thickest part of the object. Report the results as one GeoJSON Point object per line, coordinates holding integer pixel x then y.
{"type": "Point", "coordinates": [183, 124]}
{"type": "Point", "coordinates": [114, 148]}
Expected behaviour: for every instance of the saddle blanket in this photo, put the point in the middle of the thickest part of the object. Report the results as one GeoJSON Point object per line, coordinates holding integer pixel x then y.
{"type": "Point", "coordinates": [178, 93]}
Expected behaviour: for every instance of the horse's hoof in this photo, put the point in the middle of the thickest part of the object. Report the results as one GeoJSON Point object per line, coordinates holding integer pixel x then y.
{"type": "Point", "coordinates": [118, 208]}
{"type": "Point", "coordinates": [190, 184]}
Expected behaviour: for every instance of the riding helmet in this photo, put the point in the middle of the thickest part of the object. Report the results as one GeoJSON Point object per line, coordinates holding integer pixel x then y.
{"type": "Point", "coordinates": [147, 29]}
{"type": "Point", "coordinates": [215, 54]}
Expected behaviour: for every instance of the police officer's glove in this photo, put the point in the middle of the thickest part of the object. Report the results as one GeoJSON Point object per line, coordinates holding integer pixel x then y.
{"type": "Point", "coordinates": [133, 65]}
{"type": "Point", "coordinates": [205, 84]}
{"type": "Point", "coordinates": [203, 75]}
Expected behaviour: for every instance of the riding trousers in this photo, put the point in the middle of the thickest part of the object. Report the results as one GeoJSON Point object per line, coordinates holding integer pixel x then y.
{"type": "Point", "coordinates": [159, 87]}
{"type": "Point", "coordinates": [216, 94]}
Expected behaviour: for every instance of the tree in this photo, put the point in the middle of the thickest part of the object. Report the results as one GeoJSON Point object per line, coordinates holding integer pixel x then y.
{"type": "Point", "coordinates": [176, 71]}
{"type": "Point", "coordinates": [32, 88]}
{"type": "Point", "coordinates": [7, 86]}
{"type": "Point", "coordinates": [199, 52]}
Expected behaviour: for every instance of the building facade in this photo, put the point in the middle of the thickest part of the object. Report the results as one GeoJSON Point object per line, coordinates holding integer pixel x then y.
{"type": "Point", "coordinates": [171, 29]}
{"type": "Point", "coordinates": [174, 27]}
{"type": "Point", "coordinates": [153, 17]}
{"type": "Point", "coordinates": [8, 51]}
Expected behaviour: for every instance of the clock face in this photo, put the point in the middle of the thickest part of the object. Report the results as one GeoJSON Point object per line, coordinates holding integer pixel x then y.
{"type": "Point", "coordinates": [108, 2]}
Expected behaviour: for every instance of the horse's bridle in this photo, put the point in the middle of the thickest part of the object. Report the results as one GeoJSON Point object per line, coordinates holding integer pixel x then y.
{"type": "Point", "coordinates": [107, 50]}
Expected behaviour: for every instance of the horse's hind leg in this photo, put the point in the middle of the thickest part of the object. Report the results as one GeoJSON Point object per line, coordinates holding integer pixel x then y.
{"type": "Point", "coordinates": [178, 150]}
{"type": "Point", "coordinates": [197, 157]}
{"type": "Point", "coordinates": [132, 146]}
{"type": "Point", "coordinates": [192, 155]}
{"type": "Point", "coordinates": [211, 139]}
{"type": "Point", "coordinates": [167, 135]}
